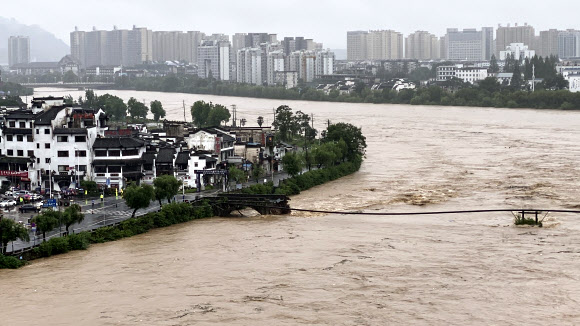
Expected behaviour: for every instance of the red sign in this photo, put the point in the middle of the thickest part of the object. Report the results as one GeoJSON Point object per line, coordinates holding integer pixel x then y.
{"type": "Point", "coordinates": [5, 173]}
{"type": "Point", "coordinates": [217, 147]}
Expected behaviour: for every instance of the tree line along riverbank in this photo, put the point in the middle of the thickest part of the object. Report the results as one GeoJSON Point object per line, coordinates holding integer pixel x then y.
{"type": "Point", "coordinates": [488, 93]}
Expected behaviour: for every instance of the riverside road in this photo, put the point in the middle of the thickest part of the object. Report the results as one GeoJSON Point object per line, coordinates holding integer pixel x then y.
{"type": "Point", "coordinates": [112, 210]}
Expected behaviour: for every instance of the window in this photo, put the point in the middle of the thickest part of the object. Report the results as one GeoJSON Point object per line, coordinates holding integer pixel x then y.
{"type": "Point", "coordinates": [100, 169]}
{"type": "Point", "coordinates": [47, 160]}
{"type": "Point", "coordinates": [47, 145]}
{"type": "Point", "coordinates": [80, 153]}
{"type": "Point", "coordinates": [19, 137]}
{"type": "Point", "coordinates": [37, 146]}
{"type": "Point", "coordinates": [47, 131]}
{"type": "Point", "coordinates": [30, 153]}
{"type": "Point", "coordinates": [129, 152]}
{"type": "Point", "coordinates": [114, 153]}
{"type": "Point", "coordinates": [20, 152]}
{"type": "Point", "coordinates": [12, 124]}
{"type": "Point", "coordinates": [62, 153]}
{"type": "Point", "coordinates": [22, 124]}
{"type": "Point", "coordinates": [81, 139]}
{"type": "Point", "coordinates": [38, 160]}
{"type": "Point", "coordinates": [37, 131]}
{"type": "Point", "coordinates": [62, 168]}
{"type": "Point", "coordinates": [83, 168]}
{"type": "Point", "coordinates": [114, 169]}
{"type": "Point", "coordinates": [10, 152]}
{"type": "Point", "coordinates": [101, 153]}
{"type": "Point", "coordinates": [62, 139]}
{"type": "Point", "coordinates": [195, 164]}
{"type": "Point", "coordinates": [29, 138]}
{"type": "Point", "coordinates": [8, 137]}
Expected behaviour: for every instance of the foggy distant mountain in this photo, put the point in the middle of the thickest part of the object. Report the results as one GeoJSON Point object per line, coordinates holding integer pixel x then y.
{"type": "Point", "coordinates": [339, 54]}
{"type": "Point", "coordinates": [44, 46]}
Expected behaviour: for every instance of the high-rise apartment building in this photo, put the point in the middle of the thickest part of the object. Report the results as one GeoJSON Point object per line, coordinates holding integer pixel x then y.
{"type": "Point", "coordinates": [374, 45]}
{"type": "Point", "coordinates": [213, 60]}
{"type": "Point", "coordinates": [356, 45]}
{"type": "Point", "coordinates": [324, 64]}
{"type": "Point", "coordinates": [112, 48]}
{"type": "Point", "coordinates": [249, 66]}
{"type": "Point", "coordinates": [18, 50]}
{"type": "Point", "coordinates": [422, 45]}
{"type": "Point", "coordinates": [548, 43]}
{"type": "Point", "coordinates": [384, 45]}
{"type": "Point", "coordinates": [275, 63]}
{"type": "Point", "coordinates": [469, 44]}
{"type": "Point", "coordinates": [517, 34]}
{"type": "Point", "coordinates": [569, 44]}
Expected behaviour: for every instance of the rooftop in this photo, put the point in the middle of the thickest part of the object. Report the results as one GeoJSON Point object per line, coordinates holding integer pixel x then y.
{"type": "Point", "coordinates": [120, 142]}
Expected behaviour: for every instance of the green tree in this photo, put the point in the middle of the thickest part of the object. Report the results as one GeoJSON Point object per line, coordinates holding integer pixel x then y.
{"type": "Point", "coordinates": [493, 66]}
{"type": "Point", "coordinates": [157, 110]}
{"type": "Point", "coordinates": [10, 231]}
{"type": "Point", "coordinates": [72, 215]}
{"type": "Point", "coordinates": [70, 77]}
{"type": "Point", "coordinates": [516, 82]}
{"type": "Point", "coordinates": [258, 172]}
{"type": "Point", "coordinates": [260, 121]}
{"type": "Point", "coordinates": [47, 221]}
{"type": "Point", "coordinates": [166, 187]}
{"type": "Point", "coordinates": [236, 174]}
{"type": "Point", "coordinates": [137, 197]}
{"type": "Point", "coordinates": [209, 115]}
{"type": "Point", "coordinates": [490, 84]}
{"type": "Point", "coordinates": [292, 163]}
{"type": "Point", "coordinates": [137, 109]}
{"type": "Point", "coordinates": [91, 99]}
{"type": "Point", "coordinates": [351, 135]}
{"type": "Point", "coordinates": [284, 121]}
{"type": "Point", "coordinates": [113, 106]}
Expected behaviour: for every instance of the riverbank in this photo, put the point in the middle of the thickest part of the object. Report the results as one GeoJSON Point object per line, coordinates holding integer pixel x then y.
{"type": "Point", "coordinates": [170, 214]}
{"type": "Point", "coordinates": [488, 94]}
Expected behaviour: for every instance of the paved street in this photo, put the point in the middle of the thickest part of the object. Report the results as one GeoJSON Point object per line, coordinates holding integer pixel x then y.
{"type": "Point", "coordinates": [111, 210]}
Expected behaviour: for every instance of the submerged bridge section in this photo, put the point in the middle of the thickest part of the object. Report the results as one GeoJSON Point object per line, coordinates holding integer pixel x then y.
{"type": "Point", "coordinates": [224, 204]}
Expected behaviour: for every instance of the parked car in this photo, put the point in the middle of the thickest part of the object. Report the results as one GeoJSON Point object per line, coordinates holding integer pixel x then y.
{"type": "Point", "coordinates": [28, 208]}
{"type": "Point", "coordinates": [7, 203]}
{"type": "Point", "coordinates": [39, 204]}
{"type": "Point", "coordinates": [35, 197]}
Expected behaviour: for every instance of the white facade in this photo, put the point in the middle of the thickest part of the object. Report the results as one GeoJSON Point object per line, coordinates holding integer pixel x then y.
{"type": "Point", "coordinates": [518, 51]}
{"type": "Point", "coordinates": [275, 64]}
{"type": "Point", "coordinates": [324, 63]}
{"type": "Point", "coordinates": [249, 66]}
{"type": "Point", "coordinates": [573, 82]}
{"type": "Point", "coordinates": [471, 74]}
{"type": "Point", "coordinates": [446, 72]}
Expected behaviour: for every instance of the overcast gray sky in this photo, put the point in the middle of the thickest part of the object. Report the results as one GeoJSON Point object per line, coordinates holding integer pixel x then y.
{"type": "Point", "coordinates": [323, 20]}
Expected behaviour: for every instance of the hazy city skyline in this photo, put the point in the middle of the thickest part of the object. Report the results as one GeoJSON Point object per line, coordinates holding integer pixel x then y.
{"type": "Point", "coordinates": [324, 21]}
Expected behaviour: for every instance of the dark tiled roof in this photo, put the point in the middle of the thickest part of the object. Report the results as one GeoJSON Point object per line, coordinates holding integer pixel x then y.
{"type": "Point", "coordinates": [20, 115]}
{"type": "Point", "coordinates": [70, 131]}
{"type": "Point", "coordinates": [182, 158]}
{"type": "Point", "coordinates": [148, 158]}
{"type": "Point", "coordinates": [47, 116]}
{"type": "Point", "coordinates": [18, 131]}
{"type": "Point", "coordinates": [120, 142]}
{"type": "Point", "coordinates": [165, 156]}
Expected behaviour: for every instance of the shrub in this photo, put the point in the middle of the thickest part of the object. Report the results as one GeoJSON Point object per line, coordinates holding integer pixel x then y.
{"type": "Point", "coordinates": [9, 262]}
{"type": "Point", "coordinates": [79, 241]}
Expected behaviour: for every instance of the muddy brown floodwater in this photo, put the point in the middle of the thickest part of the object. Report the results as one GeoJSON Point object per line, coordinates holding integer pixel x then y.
{"type": "Point", "coordinates": [315, 269]}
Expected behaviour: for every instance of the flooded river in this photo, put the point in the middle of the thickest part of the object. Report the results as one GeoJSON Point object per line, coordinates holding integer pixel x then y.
{"type": "Point", "coordinates": [314, 269]}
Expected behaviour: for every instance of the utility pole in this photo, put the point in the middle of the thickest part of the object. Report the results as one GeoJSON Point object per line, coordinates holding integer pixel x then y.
{"type": "Point", "coordinates": [184, 118]}
{"type": "Point", "coordinates": [234, 114]}
{"type": "Point", "coordinates": [533, 78]}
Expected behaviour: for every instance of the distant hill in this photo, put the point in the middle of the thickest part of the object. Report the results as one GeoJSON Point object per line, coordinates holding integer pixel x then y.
{"type": "Point", "coordinates": [339, 54]}
{"type": "Point", "coordinates": [44, 46]}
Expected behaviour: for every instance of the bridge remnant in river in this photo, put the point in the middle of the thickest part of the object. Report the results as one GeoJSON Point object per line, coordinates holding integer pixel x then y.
{"type": "Point", "coordinates": [225, 203]}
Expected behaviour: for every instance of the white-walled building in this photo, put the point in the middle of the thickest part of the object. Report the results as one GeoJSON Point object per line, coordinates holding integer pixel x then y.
{"type": "Point", "coordinates": [573, 82]}
{"type": "Point", "coordinates": [212, 140]}
{"type": "Point", "coordinates": [471, 74]}
{"type": "Point", "coordinates": [117, 161]}
{"type": "Point", "coordinates": [249, 66]}
{"type": "Point", "coordinates": [518, 51]}
{"type": "Point", "coordinates": [275, 63]}
{"type": "Point", "coordinates": [324, 63]}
